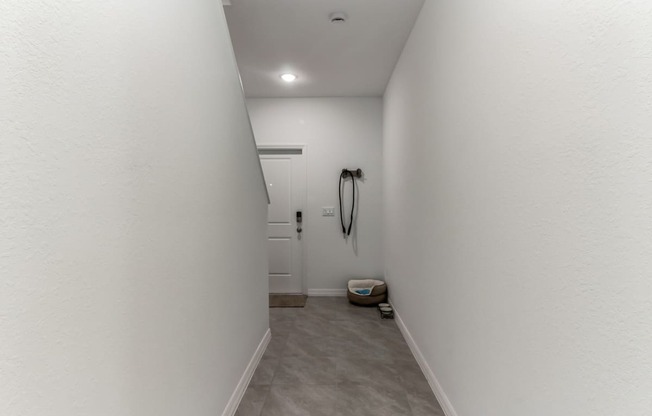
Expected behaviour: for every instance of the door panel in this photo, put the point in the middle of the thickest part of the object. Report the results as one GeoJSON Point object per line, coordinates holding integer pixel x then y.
{"type": "Point", "coordinates": [285, 178]}
{"type": "Point", "coordinates": [278, 174]}
{"type": "Point", "coordinates": [280, 255]}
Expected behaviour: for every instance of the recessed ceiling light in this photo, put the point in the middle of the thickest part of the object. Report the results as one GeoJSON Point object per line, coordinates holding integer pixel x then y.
{"type": "Point", "coordinates": [288, 77]}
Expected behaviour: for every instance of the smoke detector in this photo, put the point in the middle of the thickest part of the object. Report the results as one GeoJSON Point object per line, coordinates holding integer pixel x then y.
{"type": "Point", "coordinates": [337, 18]}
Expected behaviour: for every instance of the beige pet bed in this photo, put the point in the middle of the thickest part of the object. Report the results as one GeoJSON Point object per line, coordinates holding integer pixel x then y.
{"type": "Point", "coordinates": [371, 292]}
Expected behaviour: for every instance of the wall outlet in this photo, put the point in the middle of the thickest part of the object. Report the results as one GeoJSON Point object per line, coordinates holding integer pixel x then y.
{"type": "Point", "coordinates": [327, 212]}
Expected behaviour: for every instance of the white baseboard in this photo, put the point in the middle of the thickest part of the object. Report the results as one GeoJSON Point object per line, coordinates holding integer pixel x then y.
{"type": "Point", "coordinates": [427, 371]}
{"type": "Point", "coordinates": [240, 389]}
{"type": "Point", "coordinates": [326, 292]}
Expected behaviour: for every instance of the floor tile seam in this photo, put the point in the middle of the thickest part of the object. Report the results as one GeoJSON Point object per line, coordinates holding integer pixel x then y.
{"type": "Point", "coordinates": [318, 337]}
{"type": "Point", "coordinates": [404, 393]}
{"type": "Point", "coordinates": [401, 392]}
{"type": "Point", "coordinates": [269, 391]}
{"type": "Point", "coordinates": [298, 384]}
{"type": "Point", "coordinates": [274, 372]}
{"type": "Point", "coordinates": [409, 404]}
{"type": "Point", "coordinates": [374, 385]}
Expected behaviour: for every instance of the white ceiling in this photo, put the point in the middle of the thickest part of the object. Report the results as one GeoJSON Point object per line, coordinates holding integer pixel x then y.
{"type": "Point", "coordinates": [355, 58]}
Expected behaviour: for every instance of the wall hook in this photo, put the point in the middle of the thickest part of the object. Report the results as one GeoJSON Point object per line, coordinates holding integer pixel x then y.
{"type": "Point", "coordinates": [352, 172]}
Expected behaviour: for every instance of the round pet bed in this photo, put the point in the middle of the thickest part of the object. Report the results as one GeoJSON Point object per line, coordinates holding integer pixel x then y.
{"type": "Point", "coordinates": [377, 292]}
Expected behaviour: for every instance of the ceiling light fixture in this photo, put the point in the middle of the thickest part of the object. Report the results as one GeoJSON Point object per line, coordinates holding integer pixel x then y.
{"type": "Point", "coordinates": [288, 77]}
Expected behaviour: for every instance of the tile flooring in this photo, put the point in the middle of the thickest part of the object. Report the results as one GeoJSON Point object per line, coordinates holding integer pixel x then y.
{"type": "Point", "coordinates": [335, 359]}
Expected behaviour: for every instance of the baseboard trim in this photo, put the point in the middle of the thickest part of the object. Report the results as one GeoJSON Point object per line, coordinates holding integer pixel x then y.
{"type": "Point", "coordinates": [425, 368]}
{"type": "Point", "coordinates": [326, 292]}
{"type": "Point", "coordinates": [236, 397]}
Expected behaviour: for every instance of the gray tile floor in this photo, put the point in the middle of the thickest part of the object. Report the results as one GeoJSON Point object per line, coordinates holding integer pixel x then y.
{"type": "Point", "coordinates": [332, 358]}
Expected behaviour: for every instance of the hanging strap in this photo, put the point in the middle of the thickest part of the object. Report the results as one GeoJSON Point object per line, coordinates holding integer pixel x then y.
{"type": "Point", "coordinates": [352, 203]}
{"type": "Point", "coordinates": [340, 192]}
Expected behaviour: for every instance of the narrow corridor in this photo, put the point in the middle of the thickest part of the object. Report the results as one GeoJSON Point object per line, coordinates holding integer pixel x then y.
{"type": "Point", "coordinates": [333, 358]}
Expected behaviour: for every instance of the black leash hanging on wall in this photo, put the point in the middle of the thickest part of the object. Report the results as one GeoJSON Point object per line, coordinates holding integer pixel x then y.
{"type": "Point", "coordinates": [340, 189]}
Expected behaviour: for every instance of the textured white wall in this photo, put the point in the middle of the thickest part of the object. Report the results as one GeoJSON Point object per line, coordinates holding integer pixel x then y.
{"type": "Point", "coordinates": [518, 203]}
{"type": "Point", "coordinates": [132, 210]}
{"type": "Point", "coordinates": [338, 133]}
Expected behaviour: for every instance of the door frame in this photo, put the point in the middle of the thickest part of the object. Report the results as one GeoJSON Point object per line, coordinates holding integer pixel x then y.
{"type": "Point", "coordinates": [279, 147]}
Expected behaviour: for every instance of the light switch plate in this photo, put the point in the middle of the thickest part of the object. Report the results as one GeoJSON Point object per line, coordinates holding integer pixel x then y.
{"type": "Point", "coordinates": [327, 211]}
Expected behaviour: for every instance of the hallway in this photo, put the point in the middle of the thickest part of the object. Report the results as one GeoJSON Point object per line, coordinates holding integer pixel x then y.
{"type": "Point", "coordinates": [505, 151]}
{"type": "Point", "coordinates": [333, 358]}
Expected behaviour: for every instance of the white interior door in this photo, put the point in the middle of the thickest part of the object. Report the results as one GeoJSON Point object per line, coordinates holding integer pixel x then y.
{"type": "Point", "coordinates": [285, 175]}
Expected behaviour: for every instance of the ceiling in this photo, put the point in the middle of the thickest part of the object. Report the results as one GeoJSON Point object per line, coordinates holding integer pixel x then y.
{"type": "Point", "coordinates": [356, 58]}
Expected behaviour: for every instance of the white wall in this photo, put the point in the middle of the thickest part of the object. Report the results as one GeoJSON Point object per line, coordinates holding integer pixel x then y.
{"type": "Point", "coordinates": [518, 136]}
{"type": "Point", "coordinates": [128, 245]}
{"type": "Point", "coordinates": [338, 133]}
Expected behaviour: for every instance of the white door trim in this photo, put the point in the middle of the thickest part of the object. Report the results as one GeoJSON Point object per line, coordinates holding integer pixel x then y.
{"type": "Point", "coordinates": [304, 200]}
